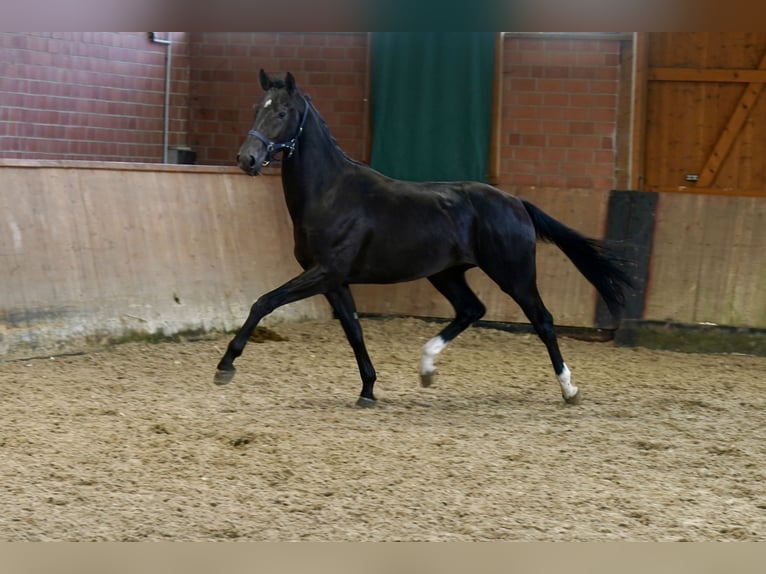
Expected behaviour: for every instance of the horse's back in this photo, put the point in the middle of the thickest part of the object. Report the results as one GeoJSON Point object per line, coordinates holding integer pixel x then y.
{"type": "Point", "coordinates": [458, 211]}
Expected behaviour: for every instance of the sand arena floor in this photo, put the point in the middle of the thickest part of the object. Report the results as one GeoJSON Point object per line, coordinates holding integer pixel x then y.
{"type": "Point", "coordinates": [136, 443]}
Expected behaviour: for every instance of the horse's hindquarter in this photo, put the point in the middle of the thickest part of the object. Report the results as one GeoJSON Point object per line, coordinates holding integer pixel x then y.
{"type": "Point", "coordinates": [501, 215]}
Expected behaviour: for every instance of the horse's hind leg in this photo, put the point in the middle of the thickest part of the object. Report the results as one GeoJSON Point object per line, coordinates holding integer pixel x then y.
{"type": "Point", "coordinates": [542, 321]}
{"type": "Point", "coordinates": [452, 284]}
{"type": "Point", "coordinates": [342, 303]}
{"type": "Point", "coordinates": [518, 280]}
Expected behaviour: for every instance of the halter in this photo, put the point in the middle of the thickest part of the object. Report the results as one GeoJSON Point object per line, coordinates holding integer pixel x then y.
{"type": "Point", "coordinates": [288, 146]}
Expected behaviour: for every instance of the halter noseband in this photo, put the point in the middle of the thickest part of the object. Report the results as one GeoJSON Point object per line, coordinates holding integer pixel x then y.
{"type": "Point", "coordinates": [288, 146]}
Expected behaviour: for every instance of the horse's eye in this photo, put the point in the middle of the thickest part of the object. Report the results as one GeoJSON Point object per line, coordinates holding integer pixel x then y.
{"type": "Point", "coordinates": [282, 114]}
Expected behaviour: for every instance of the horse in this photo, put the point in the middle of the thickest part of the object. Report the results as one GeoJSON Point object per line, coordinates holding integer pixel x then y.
{"type": "Point", "coordinates": [354, 225]}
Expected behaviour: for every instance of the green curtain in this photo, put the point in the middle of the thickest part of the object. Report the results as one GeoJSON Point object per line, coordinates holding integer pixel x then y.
{"type": "Point", "coordinates": [431, 104]}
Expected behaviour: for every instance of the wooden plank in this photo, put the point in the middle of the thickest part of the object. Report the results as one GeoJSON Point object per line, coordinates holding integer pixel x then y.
{"type": "Point", "coordinates": [663, 138]}
{"type": "Point", "coordinates": [718, 216]}
{"type": "Point", "coordinates": [495, 139]}
{"type": "Point", "coordinates": [90, 253]}
{"type": "Point", "coordinates": [707, 263]}
{"type": "Point", "coordinates": [732, 271]}
{"type": "Point", "coordinates": [637, 160]}
{"type": "Point", "coordinates": [671, 116]}
{"type": "Point", "coordinates": [676, 256]}
{"type": "Point", "coordinates": [730, 132]}
{"type": "Point", "coordinates": [720, 75]}
{"type": "Point", "coordinates": [367, 118]}
{"type": "Point", "coordinates": [623, 133]}
{"type": "Point", "coordinates": [743, 301]}
{"type": "Point", "coordinates": [115, 166]}
{"type": "Point", "coordinates": [707, 190]}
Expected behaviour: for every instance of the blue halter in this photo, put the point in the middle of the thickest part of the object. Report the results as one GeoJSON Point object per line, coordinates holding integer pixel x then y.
{"type": "Point", "coordinates": [288, 146]}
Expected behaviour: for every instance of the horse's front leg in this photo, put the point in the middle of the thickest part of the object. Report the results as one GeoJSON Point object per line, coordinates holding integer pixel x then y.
{"type": "Point", "coordinates": [313, 281]}
{"type": "Point", "coordinates": [343, 304]}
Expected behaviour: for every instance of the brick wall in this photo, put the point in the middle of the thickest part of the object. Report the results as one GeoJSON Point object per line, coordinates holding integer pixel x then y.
{"type": "Point", "coordinates": [560, 112]}
{"type": "Point", "coordinates": [99, 96]}
{"type": "Point", "coordinates": [329, 67]}
{"type": "Point", "coordinates": [89, 95]}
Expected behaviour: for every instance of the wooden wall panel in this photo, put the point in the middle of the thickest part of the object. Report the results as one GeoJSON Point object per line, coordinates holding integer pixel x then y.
{"type": "Point", "coordinates": [706, 112]}
{"type": "Point", "coordinates": [97, 251]}
{"type": "Point", "coordinates": [91, 252]}
{"type": "Point", "coordinates": [707, 261]}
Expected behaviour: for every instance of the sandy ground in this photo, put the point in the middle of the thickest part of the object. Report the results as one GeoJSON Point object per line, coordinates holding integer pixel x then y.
{"type": "Point", "coordinates": [136, 443]}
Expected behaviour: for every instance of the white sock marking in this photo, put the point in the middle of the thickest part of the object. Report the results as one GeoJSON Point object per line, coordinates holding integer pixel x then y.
{"type": "Point", "coordinates": [430, 351]}
{"type": "Point", "coordinates": [567, 388]}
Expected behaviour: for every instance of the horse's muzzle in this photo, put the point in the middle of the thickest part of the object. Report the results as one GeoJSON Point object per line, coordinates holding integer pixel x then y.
{"type": "Point", "coordinates": [249, 164]}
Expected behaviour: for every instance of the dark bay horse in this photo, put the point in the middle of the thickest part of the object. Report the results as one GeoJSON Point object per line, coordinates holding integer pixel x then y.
{"type": "Point", "coordinates": [354, 225]}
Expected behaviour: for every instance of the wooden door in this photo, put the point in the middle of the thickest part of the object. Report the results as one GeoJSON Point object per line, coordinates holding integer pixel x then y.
{"type": "Point", "coordinates": [705, 128]}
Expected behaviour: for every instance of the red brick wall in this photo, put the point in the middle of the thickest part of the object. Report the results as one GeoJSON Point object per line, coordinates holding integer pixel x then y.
{"type": "Point", "coordinates": [89, 95]}
{"type": "Point", "coordinates": [560, 112]}
{"type": "Point", "coordinates": [99, 96]}
{"type": "Point", "coordinates": [330, 67]}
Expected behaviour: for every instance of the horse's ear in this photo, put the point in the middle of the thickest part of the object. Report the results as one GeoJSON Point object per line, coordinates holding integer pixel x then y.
{"type": "Point", "coordinates": [265, 80]}
{"type": "Point", "coordinates": [290, 83]}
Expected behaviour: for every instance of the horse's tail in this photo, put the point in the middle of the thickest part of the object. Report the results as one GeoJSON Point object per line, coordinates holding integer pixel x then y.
{"type": "Point", "coordinates": [590, 256]}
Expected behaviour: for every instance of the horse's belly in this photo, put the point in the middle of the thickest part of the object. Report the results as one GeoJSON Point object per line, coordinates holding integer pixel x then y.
{"type": "Point", "coordinates": [393, 262]}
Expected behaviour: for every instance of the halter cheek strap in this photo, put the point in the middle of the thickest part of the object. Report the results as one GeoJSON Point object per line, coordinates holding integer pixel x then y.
{"type": "Point", "coordinates": [285, 147]}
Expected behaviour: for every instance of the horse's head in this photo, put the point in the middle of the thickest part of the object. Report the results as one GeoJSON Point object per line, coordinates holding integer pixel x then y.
{"type": "Point", "coordinates": [279, 120]}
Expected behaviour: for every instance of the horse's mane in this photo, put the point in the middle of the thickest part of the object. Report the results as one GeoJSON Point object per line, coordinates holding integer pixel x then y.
{"type": "Point", "coordinates": [325, 129]}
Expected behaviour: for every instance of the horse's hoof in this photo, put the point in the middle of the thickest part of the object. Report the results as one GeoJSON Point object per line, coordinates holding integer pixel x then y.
{"type": "Point", "coordinates": [575, 399]}
{"type": "Point", "coordinates": [223, 377]}
{"type": "Point", "coordinates": [365, 403]}
{"type": "Point", "coordinates": [427, 379]}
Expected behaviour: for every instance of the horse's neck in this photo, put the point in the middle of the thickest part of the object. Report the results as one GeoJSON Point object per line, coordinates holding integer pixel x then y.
{"type": "Point", "coordinates": [315, 164]}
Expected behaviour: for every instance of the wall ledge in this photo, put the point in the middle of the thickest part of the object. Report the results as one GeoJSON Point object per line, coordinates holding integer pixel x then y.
{"type": "Point", "coordinates": [123, 166]}
{"type": "Point", "coordinates": [571, 35]}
